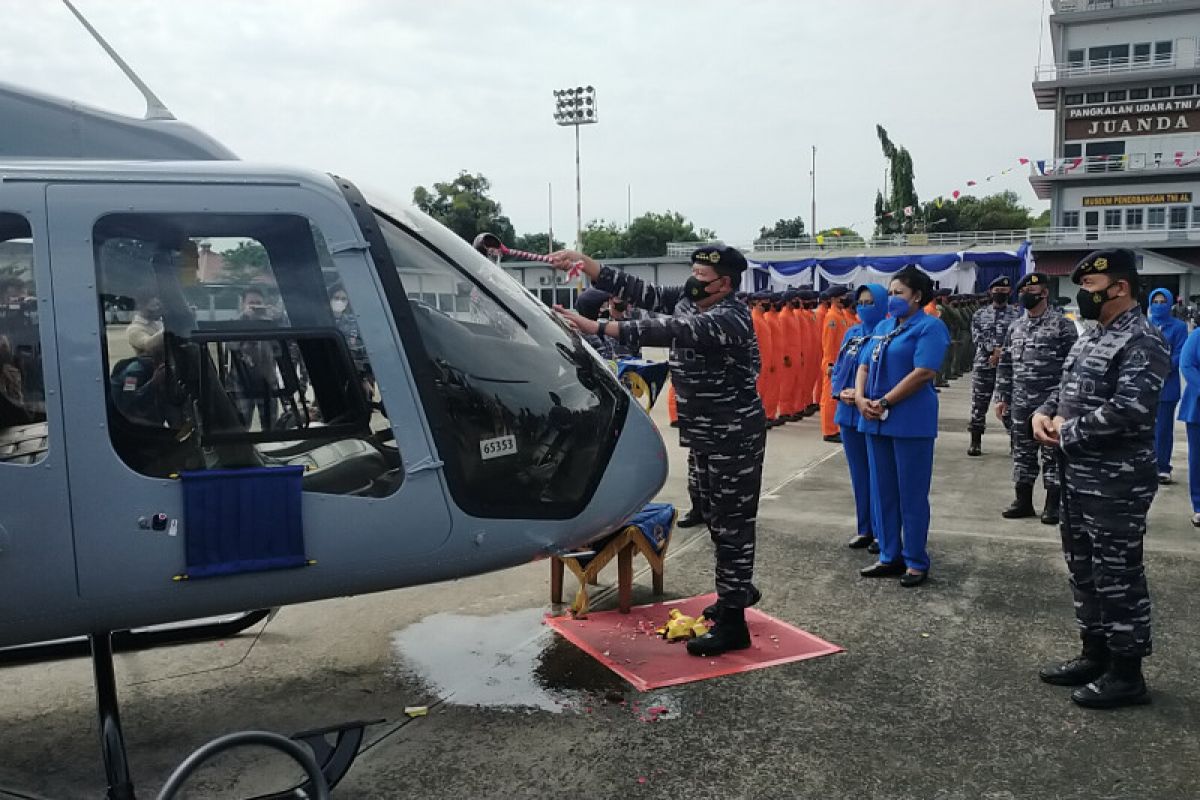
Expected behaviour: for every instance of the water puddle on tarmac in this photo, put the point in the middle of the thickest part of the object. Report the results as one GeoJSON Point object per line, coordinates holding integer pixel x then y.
{"type": "Point", "coordinates": [512, 660]}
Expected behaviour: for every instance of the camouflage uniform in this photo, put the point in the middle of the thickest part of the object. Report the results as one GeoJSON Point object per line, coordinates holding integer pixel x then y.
{"type": "Point", "coordinates": [1030, 368]}
{"type": "Point", "coordinates": [714, 363]}
{"type": "Point", "coordinates": [1109, 395]}
{"type": "Point", "coordinates": [988, 329]}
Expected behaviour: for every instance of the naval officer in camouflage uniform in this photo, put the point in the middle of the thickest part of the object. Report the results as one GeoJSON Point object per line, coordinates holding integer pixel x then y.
{"type": "Point", "coordinates": [1101, 419]}
{"type": "Point", "coordinates": [714, 362]}
{"type": "Point", "coordinates": [988, 328]}
{"type": "Point", "coordinates": [1030, 368]}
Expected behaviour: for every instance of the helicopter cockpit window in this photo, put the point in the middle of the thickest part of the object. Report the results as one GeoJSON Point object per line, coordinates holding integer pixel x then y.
{"type": "Point", "coordinates": [23, 434]}
{"type": "Point", "coordinates": [231, 342]}
{"type": "Point", "coordinates": [532, 417]}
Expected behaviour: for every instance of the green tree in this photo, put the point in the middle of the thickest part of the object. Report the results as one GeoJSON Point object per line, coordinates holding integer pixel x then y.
{"type": "Point", "coordinates": [996, 212]}
{"type": "Point", "coordinates": [463, 206]}
{"type": "Point", "coordinates": [889, 211]}
{"type": "Point", "coordinates": [1042, 220]}
{"type": "Point", "coordinates": [648, 235]}
{"type": "Point", "coordinates": [784, 229]}
{"type": "Point", "coordinates": [603, 240]}
{"type": "Point", "coordinates": [245, 262]}
{"type": "Point", "coordinates": [843, 232]}
{"type": "Point", "coordinates": [536, 243]}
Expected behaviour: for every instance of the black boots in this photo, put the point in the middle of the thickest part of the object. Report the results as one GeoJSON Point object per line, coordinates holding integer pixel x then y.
{"type": "Point", "coordinates": [1121, 685]}
{"type": "Point", "coordinates": [713, 611]}
{"type": "Point", "coordinates": [729, 633]}
{"type": "Point", "coordinates": [1050, 511]}
{"type": "Point", "coordinates": [976, 448]}
{"type": "Point", "coordinates": [1022, 506]}
{"type": "Point", "coordinates": [1088, 666]}
{"type": "Point", "coordinates": [691, 519]}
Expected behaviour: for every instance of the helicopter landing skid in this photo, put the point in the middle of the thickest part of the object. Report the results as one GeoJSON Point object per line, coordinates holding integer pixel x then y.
{"type": "Point", "coordinates": [333, 757]}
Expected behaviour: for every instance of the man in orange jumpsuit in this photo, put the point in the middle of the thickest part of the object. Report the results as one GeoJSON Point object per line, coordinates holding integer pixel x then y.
{"type": "Point", "coordinates": [790, 398]}
{"type": "Point", "coordinates": [767, 387]}
{"type": "Point", "coordinates": [812, 351]}
{"type": "Point", "coordinates": [784, 365]}
{"type": "Point", "coordinates": [834, 327]}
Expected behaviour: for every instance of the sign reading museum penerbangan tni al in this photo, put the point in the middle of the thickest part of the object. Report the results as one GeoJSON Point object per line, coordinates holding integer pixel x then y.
{"type": "Point", "coordinates": [1154, 198]}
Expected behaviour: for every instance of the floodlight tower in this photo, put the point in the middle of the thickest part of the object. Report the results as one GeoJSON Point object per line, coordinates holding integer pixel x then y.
{"type": "Point", "coordinates": [572, 108]}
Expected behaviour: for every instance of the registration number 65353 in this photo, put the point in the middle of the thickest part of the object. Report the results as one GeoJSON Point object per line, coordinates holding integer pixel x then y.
{"type": "Point", "coordinates": [500, 446]}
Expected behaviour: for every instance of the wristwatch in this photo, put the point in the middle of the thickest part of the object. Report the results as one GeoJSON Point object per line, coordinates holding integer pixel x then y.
{"type": "Point", "coordinates": [600, 331]}
{"type": "Point", "coordinates": [884, 404]}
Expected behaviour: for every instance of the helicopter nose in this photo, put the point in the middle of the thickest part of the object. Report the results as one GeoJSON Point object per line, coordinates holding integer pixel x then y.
{"type": "Point", "coordinates": [635, 474]}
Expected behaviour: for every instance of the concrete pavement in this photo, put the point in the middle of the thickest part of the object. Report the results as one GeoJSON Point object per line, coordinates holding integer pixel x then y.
{"type": "Point", "coordinates": [936, 695]}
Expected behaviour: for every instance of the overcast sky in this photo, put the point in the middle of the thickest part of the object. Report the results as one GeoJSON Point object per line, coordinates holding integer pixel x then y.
{"type": "Point", "coordinates": [707, 108]}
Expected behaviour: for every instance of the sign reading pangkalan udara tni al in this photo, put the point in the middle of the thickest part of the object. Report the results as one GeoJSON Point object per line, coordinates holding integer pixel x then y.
{"type": "Point", "coordinates": [1150, 118]}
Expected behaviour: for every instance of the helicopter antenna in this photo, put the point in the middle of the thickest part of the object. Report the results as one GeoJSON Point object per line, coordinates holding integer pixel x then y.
{"type": "Point", "coordinates": [155, 108]}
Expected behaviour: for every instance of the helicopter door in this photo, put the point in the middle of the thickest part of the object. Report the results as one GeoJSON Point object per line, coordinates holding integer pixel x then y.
{"type": "Point", "coordinates": [37, 558]}
{"type": "Point", "coordinates": [226, 328]}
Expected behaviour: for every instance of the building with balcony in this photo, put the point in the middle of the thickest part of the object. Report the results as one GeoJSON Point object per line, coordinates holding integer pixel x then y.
{"type": "Point", "coordinates": [1125, 165]}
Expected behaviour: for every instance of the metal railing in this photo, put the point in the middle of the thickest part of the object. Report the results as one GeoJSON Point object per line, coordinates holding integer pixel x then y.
{"type": "Point", "coordinates": [962, 240]}
{"type": "Point", "coordinates": [1074, 6]}
{"type": "Point", "coordinates": [1129, 162]}
{"type": "Point", "coordinates": [1108, 66]}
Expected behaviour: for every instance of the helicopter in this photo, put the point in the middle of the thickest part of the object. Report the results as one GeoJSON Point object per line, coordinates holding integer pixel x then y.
{"type": "Point", "coordinates": [230, 386]}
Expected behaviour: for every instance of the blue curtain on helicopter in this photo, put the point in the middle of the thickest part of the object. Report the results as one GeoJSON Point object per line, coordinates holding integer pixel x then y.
{"type": "Point", "coordinates": [242, 520]}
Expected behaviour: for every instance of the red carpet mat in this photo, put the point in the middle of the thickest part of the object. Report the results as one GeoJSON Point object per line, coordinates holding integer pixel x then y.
{"type": "Point", "coordinates": [628, 645]}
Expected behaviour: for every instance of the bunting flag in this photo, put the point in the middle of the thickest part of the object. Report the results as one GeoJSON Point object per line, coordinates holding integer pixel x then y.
{"type": "Point", "coordinates": [971, 183]}
{"type": "Point", "coordinates": [908, 211]}
{"type": "Point", "coordinates": [1023, 161]}
{"type": "Point", "coordinates": [955, 194]}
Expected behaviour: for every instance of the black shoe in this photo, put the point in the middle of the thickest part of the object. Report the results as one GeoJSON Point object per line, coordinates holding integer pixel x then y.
{"type": "Point", "coordinates": [729, 633]}
{"type": "Point", "coordinates": [976, 444]}
{"type": "Point", "coordinates": [881, 570]}
{"type": "Point", "coordinates": [1121, 685]}
{"type": "Point", "coordinates": [1022, 506]}
{"type": "Point", "coordinates": [690, 520]}
{"type": "Point", "coordinates": [1084, 668]}
{"type": "Point", "coordinates": [941, 384]}
{"type": "Point", "coordinates": [859, 542]}
{"type": "Point", "coordinates": [835, 438]}
{"type": "Point", "coordinates": [1050, 510]}
{"type": "Point", "coordinates": [814, 409]}
{"type": "Point", "coordinates": [1165, 479]}
{"type": "Point", "coordinates": [714, 611]}
{"type": "Point", "coordinates": [675, 424]}
{"type": "Point", "coordinates": [873, 548]}
{"type": "Point", "coordinates": [911, 579]}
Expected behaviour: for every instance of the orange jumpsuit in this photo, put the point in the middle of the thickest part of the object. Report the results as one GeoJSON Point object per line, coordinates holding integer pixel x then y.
{"type": "Point", "coordinates": [812, 358]}
{"type": "Point", "coordinates": [790, 397]}
{"type": "Point", "coordinates": [831, 343]}
{"type": "Point", "coordinates": [784, 366]}
{"type": "Point", "coordinates": [766, 350]}
{"type": "Point", "coordinates": [672, 404]}
{"type": "Point", "coordinates": [931, 308]}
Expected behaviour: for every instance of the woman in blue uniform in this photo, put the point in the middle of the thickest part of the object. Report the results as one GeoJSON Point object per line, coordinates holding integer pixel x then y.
{"type": "Point", "coordinates": [899, 414]}
{"type": "Point", "coordinates": [1175, 334]}
{"type": "Point", "coordinates": [872, 307]}
{"type": "Point", "coordinates": [1189, 412]}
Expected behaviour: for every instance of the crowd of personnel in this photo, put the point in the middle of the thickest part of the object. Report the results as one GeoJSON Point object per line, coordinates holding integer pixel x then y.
{"type": "Point", "coordinates": [1089, 407]}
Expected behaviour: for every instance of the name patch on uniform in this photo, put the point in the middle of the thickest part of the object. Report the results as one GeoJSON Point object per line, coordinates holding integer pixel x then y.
{"type": "Point", "coordinates": [130, 384]}
{"type": "Point", "coordinates": [498, 447]}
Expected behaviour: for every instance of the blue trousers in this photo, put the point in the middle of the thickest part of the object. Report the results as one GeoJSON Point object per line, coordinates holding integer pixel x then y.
{"type": "Point", "coordinates": [855, 446]}
{"type": "Point", "coordinates": [901, 476]}
{"type": "Point", "coordinates": [1164, 434]}
{"type": "Point", "coordinates": [1193, 434]}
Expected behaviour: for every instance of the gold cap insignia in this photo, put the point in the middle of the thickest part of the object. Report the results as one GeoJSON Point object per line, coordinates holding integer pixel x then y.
{"type": "Point", "coordinates": [712, 258]}
{"type": "Point", "coordinates": [1100, 264]}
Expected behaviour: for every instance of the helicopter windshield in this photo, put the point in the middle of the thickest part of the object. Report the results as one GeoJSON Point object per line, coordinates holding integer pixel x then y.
{"type": "Point", "coordinates": [524, 416]}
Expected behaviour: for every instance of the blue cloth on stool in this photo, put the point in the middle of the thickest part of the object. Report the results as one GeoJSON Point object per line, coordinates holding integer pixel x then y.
{"type": "Point", "coordinates": [242, 520]}
{"type": "Point", "coordinates": [653, 522]}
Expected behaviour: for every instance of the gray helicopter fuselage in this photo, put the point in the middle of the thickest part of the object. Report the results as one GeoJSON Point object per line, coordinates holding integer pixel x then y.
{"type": "Point", "coordinates": [474, 432]}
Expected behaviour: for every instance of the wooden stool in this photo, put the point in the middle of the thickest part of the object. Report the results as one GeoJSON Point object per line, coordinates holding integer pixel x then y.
{"type": "Point", "coordinates": [622, 545]}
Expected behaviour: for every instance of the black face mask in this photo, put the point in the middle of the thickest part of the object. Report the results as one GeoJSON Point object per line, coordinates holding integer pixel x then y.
{"type": "Point", "coordinates": [1090, 303]}
{"type": "Point", "coordinates": [696, 288]}
{"type": "Point", "coordinates": [1000, 298]}
{"type": "Point", "coordinates": [1030, 300]}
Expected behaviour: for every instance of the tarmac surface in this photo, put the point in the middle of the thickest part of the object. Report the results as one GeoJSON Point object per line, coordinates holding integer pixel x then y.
{"type": "Point", "coordinates": [936, 695]}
